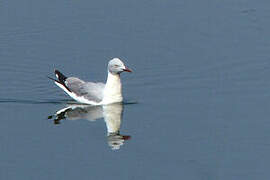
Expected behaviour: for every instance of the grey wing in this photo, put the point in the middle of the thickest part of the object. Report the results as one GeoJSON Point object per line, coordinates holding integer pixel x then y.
{"type": "Point", "coordinates": [89, 90]}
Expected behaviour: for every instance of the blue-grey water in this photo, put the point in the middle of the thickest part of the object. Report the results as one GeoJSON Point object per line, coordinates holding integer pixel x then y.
{"type": "Point", "coordinates": [196, 107]}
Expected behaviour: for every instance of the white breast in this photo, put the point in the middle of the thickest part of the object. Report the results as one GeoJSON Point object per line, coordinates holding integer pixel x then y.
{"type": "Point", "coordinates": [113, 90]}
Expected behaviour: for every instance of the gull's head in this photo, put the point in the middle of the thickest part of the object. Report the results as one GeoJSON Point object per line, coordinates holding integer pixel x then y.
{"type": "Point", "coordinates": [116, 66]}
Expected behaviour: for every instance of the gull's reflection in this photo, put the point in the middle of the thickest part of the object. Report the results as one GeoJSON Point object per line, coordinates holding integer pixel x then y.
{"type": "Point", "coordinates": [112, 115]}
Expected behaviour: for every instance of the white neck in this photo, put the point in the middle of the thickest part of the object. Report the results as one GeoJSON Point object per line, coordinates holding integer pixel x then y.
{"type": "Point", "coordinates": [113, 89]}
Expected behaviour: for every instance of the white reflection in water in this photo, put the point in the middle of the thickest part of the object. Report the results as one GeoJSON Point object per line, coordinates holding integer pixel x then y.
{"type": "Point", "coordinates": [112, 115]}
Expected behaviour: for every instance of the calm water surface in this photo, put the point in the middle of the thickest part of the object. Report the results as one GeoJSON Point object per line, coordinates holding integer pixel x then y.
{"type": "Point", "coordinates": [196, 106]}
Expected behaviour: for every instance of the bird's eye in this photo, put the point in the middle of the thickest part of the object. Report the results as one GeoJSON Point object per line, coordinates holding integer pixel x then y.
{"type": "Point", "coordinates": [116, 66]}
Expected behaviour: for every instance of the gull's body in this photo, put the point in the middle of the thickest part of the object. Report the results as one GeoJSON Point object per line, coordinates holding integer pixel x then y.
{"type": "Point", "coordinates": [95, 93]}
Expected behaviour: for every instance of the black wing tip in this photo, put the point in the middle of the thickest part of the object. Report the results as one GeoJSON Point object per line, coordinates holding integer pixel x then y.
{"type": "Point", "coordinates": [57, 71]}
{"type": "Point", "coordinates": [61, 77]}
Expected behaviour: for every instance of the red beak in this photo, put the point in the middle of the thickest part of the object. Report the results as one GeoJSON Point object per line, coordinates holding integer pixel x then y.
{"type": "Point", "coordinates": [127, 70]}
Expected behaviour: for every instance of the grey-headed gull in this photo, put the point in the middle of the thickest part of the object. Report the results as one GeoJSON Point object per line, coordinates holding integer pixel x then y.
{"type": "Point", "coordinates": [95, 93]}
{"type": "Point", "coordinates": [112, 114]}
